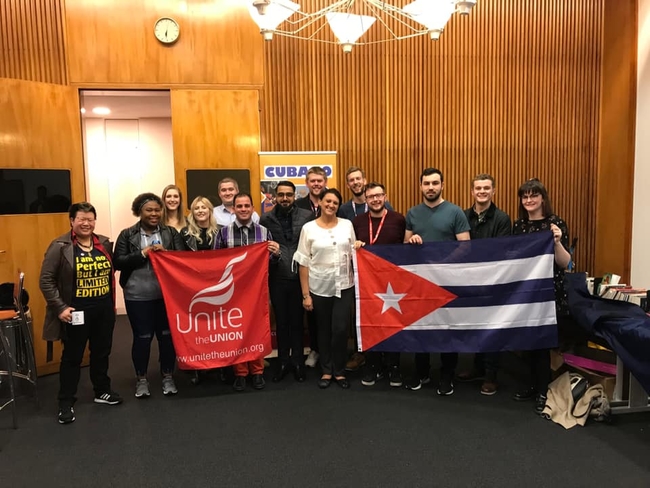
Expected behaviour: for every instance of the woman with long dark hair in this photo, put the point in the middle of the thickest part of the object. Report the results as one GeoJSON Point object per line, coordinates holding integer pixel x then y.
{"type": "Point", "coordinates": [536, 215]}
{"type": "Point", "coordinates": [142, 294]}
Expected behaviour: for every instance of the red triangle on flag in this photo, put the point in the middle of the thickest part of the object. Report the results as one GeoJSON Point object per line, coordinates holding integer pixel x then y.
{"type": "Point", "coordinates": [392, 298]}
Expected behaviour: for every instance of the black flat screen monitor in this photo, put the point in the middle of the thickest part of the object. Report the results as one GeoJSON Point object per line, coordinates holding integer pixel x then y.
{"type": "Point", "coordinates": [30, 191]}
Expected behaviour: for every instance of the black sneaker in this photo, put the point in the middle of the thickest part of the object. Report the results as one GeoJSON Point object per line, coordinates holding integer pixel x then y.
{"type": "Point", "coordinates": [446, 386]}
{"type": "Point", "coordinates": [110, 398]}
{"type": "Point", "coordinates": [66, 414]}
{"type": "Point", "coordinates": [415, 384]}
{"type": "Point", "coordinates": [394, 378]}
{"type": "Point", "coordinates": [258, 382]}
{"type": "Point", "coordinates": [240, 383]}
{"type": "Point", "coordinates": [369, 377]}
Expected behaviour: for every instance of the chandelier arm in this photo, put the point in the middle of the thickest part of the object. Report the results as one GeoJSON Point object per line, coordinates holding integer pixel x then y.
{"type": "Point", "coordinates": [383, 22]}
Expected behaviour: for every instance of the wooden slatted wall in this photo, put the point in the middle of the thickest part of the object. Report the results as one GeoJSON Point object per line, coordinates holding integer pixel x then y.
{"type": "Point", "coordinates": [32, 41]}
{"type": "Point", "coordinates": [513, 89]}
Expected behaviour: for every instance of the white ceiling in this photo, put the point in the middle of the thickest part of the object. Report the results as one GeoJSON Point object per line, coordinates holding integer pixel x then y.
{"type": "Point", "coordinates": [127, 104]}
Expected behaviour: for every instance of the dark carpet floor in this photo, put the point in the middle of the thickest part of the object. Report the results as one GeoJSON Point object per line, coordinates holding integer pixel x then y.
{"type": "Point", "coordinates": [297, 435]}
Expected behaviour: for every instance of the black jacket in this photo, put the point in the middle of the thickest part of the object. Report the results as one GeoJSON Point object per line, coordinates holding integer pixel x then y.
{"type": "Point", "coordinates": [128, 249]}
{"type": "Point", "coordinates": [190, 240]}
{"type": "Point", "coordinates": [495, 223]}
{"type": "Point", "coordinates": [281, 268]}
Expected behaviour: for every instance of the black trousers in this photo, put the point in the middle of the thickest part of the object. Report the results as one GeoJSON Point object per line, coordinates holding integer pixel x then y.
{"type": "Point", "coordinates": [286, 298]}
{"type": "Point", "coordinates": [313, 330]}
{"type": "Point", "coordinates": [333, 319]}
{"type": "Point", "coordinates": [487, 363]}
{"type": "Point", "coordinates": [449, 361]}
{"type": "Point", "coordinates": [97, 330]}
{"type": "Point", "coordinates": [378, 360]}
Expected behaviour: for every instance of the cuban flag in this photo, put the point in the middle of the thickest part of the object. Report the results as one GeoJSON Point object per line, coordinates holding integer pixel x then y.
{"type": "Point", "coordinates": [460, 296]}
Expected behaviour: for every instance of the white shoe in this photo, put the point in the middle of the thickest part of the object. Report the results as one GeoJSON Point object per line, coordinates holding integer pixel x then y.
{"type": "Point", "coordinates": [312, 359]}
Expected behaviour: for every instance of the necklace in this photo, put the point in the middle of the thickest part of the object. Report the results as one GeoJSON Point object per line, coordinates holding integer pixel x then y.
{"type": "Point", "coordinates": [85, 247]}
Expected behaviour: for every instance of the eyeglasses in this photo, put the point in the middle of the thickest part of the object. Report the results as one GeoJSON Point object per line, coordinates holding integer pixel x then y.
{"type": "Point", "coordinates": [283, 195]}
{"type": "Point", "coordinates": [375, 196]}
{"type": "Point", "coordinates": [85, 221]}
{"type": "Point", "coordinates": [532, 196]}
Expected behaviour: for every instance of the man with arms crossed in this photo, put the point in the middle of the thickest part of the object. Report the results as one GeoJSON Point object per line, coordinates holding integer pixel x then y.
{"type": "Point", "coordinates": [486, 221]}
{"type": "Point", "coordinates": [225, 213]}
{"type": "Point", "coordinates": [435, 219]}
{"type": "Point", "coordinates": [380, 226]}
{"type": "Point", "coordinates": [285, 222]}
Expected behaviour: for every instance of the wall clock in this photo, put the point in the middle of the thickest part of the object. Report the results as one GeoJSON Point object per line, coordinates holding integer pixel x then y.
{"type": "Point", "coordinates": [166, 30]}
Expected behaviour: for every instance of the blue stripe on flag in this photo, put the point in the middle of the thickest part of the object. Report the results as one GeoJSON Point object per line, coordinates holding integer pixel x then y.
{"type": "Point", "coordinates": [519, 292]}
{"type": "Point", "coordinates": [477, 251]}
{"type": "Point", "coordinates": [464, 341]}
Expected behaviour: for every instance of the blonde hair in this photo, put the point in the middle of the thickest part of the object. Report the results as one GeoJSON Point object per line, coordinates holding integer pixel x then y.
{"type": "Point", "coordinates": [193, 228]}
{"type": "Point", "coordinates": [179, 210]}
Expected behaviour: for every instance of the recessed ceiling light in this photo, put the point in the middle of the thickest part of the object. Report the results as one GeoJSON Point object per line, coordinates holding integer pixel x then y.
{"type": "Point", "coordinates": [101, 110]}
{"type": "Point", "coordinates": [83, 110]}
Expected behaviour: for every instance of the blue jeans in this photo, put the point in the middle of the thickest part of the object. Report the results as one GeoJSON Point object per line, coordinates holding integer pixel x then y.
{"type": "Point", "coordinates": [149, 318]}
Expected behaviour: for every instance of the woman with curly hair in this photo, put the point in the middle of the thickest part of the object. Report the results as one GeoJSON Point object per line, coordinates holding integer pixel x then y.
{"type": "Point", "coordinates": [142, 294]}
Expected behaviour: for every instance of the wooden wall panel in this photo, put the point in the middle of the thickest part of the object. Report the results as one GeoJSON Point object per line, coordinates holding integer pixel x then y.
{"type": "Point", "coordinates": [32, 40]}
{"type": "Point", "coordinates": [513, 89]}
{"type": "Point", "coordinates": [40, 128]}
{"type": "Point", "coordinates": [615, 189]}
{"type": "Point", "coordinates": [216, 129]}
{"type": "Point", "coordinates": [111, 43]}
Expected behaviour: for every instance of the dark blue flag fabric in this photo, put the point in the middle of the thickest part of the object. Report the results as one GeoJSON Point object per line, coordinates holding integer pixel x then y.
{"type": "Point", "coordinates": [463, 296]}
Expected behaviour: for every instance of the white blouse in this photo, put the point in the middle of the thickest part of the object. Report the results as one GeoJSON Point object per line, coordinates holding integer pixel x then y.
{"type": "Point", "coordinates": [328, 255]}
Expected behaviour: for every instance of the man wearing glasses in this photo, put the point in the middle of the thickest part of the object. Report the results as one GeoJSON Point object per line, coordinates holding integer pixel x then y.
{"type": "Point", "coordinates": [380, 226]}
{"type": "Point", "coordinates": [285, 222]}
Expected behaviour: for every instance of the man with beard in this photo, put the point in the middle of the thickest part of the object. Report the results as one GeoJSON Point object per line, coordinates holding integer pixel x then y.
{"type": "Point", "coordinates": [380, 226]}
{"type": "Point", "coordinates": [435, 219]}
{"type": "Point", "coordinates": [486, 221]}
{"type": "Point", "coordinates": [285, 222]}
{"type": "Point", "coordinates": [356, 180]}
{"type": "Point", "coordinates": [225, 213]}
{"type": "Point", "coordinates": [316, 182]}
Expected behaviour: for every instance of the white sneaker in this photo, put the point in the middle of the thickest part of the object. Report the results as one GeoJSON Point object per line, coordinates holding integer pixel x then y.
{"type": "Point", "coordinates": [312, 359]}
{"type": "Point", "coordinates": [168, 386]}
{"type": "Point", "coordinates": [142, 388]}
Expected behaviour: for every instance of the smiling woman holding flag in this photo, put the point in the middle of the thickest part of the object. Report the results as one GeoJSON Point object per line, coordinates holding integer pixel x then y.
{"type": "Point", "coordinates": [142, 294]}
{"type": "Point", "coordinates": [327, 282]}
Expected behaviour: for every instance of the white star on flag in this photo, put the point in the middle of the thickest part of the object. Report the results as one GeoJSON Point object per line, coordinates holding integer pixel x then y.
{"type": "Point", "coordinates": [390, 299]}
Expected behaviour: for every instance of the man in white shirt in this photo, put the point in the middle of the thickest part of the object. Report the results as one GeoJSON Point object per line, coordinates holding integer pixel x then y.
{"type": "Point", "coordinates": [225, 213]}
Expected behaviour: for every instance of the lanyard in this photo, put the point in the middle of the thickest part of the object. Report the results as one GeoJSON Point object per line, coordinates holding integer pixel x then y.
{"type": "Point", "coordinates": [381, 224]}
{"type": "Point", "coordinates": [354, 208]}
{"type": "Point", "coordinates": [314, 208]}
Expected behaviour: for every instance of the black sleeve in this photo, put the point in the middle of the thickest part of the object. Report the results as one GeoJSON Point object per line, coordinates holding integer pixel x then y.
{"type": "Point", "coordinates": [122, 258]}
{"type": "Point", "coordinates": [504, 226]}
{"type": "Point", "coordinates": [177, 240]}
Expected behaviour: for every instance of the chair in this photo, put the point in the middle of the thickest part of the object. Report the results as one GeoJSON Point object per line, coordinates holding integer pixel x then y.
{"type": "Point", "coordinates": [17, 347]}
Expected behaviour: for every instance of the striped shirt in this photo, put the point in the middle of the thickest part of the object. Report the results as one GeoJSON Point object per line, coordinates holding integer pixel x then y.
{"type": "Point", "coordinates": [237, 235]}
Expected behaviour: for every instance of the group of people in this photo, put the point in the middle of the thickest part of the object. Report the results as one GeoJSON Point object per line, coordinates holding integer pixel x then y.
{"type": "Point", "coordinates": [311, 241]}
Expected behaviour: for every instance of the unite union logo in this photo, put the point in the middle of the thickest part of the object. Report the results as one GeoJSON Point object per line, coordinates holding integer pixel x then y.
{"type": "Point", "coordinates": [216, 324]}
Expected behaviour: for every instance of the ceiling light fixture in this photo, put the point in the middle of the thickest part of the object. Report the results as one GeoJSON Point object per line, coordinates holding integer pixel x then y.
{"type": "Point", "coordinates": [349, 20]}
{"type": "Point", "coordinates": [101, 111]}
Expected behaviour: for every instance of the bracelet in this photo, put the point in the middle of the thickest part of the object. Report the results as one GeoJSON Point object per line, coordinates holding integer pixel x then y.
{"type": "Point", "coordinates": [305, 297]}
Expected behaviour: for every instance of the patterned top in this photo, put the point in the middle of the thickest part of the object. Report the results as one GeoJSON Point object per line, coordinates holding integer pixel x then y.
{"type": "Point", "coordinates": [236, 235]}
{"type": "Point", "coordinates": [525, 226]}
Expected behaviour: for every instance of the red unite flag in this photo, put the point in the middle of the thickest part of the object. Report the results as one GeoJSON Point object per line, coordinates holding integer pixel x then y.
{"type": "Point", "coordinates": [217, 304]}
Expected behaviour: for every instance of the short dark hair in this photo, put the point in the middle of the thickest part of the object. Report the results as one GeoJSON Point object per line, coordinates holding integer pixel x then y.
{"type": "Point", "coordinates": [242, 195]}
{"type": "Point", "coordinates": [81, 207]}
{"type": "Point", "coordinates": [285, 183]}
{"type": "Point", "coordinates": [484, 176]}
{"type": "Point", "coordinates": [431, 171]}
{"type": "Point", "coordinates": [334, 192]}
{"type": "Point", "coordinates": [534, 187]}
{"type": "Point", "coordinates": [141, 199]}
{"type": "Point", "coordinates": [374, 184]}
